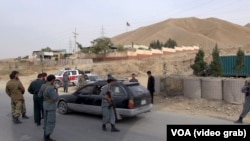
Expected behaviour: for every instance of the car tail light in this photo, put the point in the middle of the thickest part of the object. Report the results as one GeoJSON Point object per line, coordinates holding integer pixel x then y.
{"type": "Point", "coordinates": [131, 104]}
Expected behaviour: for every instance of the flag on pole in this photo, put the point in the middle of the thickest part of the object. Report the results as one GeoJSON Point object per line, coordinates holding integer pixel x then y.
{"type": "Point", "coordinates": [127, 24]}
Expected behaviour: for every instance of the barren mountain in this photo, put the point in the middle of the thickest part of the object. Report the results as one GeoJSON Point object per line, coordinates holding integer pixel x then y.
{"type": "Point", "coordinates": [247, 25]}
{"type": "Point", "coordinates": [191, 31]}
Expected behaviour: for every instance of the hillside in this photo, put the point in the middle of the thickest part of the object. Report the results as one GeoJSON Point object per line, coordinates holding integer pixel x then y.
{"type": "Point", "coordinates": [191, 31]}
{"type": "Point", "coordinates": [247, 25]}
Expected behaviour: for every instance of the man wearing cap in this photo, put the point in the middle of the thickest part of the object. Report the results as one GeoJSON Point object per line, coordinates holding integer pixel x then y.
{"type": "Point", "coordinates": [108, 115]}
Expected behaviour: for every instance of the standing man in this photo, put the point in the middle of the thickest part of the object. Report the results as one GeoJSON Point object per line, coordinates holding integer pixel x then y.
{"type": "Point", "coordinates": [108, 115]}
{"type": "Point", "coordinates": [81, 80]}
{"type": "Point", "coordinates": [15, 90]}
{"type": "Point", "coordinates": [151, 85]}
{"type": "Point", "coordinates": [133, 79]}
{"type": "Point", "coordinates": [34, 88]}
{"type": "Point", "coordinates": [50, 98]}
{"type": "Point", "coordinates": [44, 74]}
{"type": "Point", "coordinates": [246, 106]}
{"type": "Point", "coordinates": [66, 81]}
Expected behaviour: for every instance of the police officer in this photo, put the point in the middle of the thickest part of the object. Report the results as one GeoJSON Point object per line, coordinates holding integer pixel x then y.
{"type": "Point", "coordinates": [50, 98]}
{"type": "Point", "coordinates": [246, 106]}
{"type": "Point", "coordinates": [66, 81]}
{"type": "Point", "coordinates": [108, 115]}
{"type": "Point", "coordinates": [15, 90]}
{"type": "Point", "coordinates": [34, 88]}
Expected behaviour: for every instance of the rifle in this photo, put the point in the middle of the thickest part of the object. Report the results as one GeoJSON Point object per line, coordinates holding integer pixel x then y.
{"type": "Point", "coordinates": [117, 115]}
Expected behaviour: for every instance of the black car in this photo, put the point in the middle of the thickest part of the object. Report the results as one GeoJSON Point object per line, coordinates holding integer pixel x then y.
{"type": "Point", "coordinates": [130, 99]}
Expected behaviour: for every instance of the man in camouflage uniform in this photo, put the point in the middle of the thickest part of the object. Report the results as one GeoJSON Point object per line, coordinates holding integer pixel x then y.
{"type": "Point", "coordinates": [15, 90]}
{"type": "Point", "coordinates": [81, 80]}
{"type": "Point", "coordinates": [50, 98]}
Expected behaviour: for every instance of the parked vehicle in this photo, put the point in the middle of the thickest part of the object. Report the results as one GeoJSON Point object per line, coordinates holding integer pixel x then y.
{"type": "Point", "coordinates": [73, 75]}
{"type": "Point", "coordinates": [228, 63]}
{"type": "Point", "coordinates": [130, 99]}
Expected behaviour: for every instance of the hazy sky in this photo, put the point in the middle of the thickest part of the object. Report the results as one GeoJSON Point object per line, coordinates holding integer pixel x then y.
{"type": "Point", "coordinates": [29, 25]}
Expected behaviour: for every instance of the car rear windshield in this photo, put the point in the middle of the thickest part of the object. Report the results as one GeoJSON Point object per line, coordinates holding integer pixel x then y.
{"type": "Point", "coordinates": [138, 90]}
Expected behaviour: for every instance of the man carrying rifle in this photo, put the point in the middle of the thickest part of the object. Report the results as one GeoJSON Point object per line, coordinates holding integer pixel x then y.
{"type": "Point", "coordinates": [108, 113]}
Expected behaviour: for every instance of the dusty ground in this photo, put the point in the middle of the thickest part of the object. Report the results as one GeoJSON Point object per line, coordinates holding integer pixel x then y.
{"type": "Point", "coordinates": [180, 104]}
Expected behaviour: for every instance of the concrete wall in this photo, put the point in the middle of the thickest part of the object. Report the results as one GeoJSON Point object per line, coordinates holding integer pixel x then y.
{"type": "Point", "coordinates": [228, 90]}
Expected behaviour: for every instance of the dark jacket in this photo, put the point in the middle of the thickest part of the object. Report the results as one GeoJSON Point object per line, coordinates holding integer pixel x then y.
{"type": "Point", "coordinates": [151, 84]}
{"type": "Point", "coordinates": [35, 86]}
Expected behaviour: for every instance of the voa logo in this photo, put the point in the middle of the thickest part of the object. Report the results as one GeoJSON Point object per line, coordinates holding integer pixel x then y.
{"type": "Point", "coordinates": [180, 132]}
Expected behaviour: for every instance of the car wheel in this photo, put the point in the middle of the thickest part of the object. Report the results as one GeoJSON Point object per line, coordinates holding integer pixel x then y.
{"type": "Point", "coordinates": [62, 107]}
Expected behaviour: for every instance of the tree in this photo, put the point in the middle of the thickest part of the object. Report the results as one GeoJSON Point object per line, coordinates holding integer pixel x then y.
{"type": "Point", "coordinates": [156, 44]}
{"type": "Point", "coordinates": [101, 45]}
{"type": "Point", "coordinates": [199, 64]}
{"type": "Point", "coordinates": [120, 48]}
{"type": "Point", "coordinates": [239, 64]}
{"type": "Point", "coordinates": [83, 49]}
{"type": "Point", "coordinates": [48, 49]}
{"type": "Point", "coordinates": [170, 43]}
{"type": "Point", "coordinates": [216, 65]}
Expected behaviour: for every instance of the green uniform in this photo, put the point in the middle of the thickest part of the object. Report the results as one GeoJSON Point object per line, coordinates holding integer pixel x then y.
{"type": "Point", "coordinates": [81, 81]}
{"type": "Point", "coordinates": [15, 90]}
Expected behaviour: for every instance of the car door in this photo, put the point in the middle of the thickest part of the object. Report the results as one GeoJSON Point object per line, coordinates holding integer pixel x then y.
{"type": "Point", "coordinates": [73, 76]}
{"type": "Point", "coordinates": [88, 99]}
{"type": "Point", "coordinates": [85, 95]}
{"type": "Point", "coordinates": [120, 96]}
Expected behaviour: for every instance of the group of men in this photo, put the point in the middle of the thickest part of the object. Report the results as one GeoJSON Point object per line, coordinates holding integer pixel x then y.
{"type": "Point", "coordinates": [44, 98]}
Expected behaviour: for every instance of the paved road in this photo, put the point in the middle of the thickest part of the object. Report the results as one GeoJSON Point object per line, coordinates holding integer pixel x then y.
{"type": "Point", "coordinates": [83, 127]}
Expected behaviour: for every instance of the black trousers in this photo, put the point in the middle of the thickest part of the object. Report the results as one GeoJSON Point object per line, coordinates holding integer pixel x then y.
{"type": "Point", "coordinates": [152, 97]}
{"type": "Point", "coordinates": [38, 108]}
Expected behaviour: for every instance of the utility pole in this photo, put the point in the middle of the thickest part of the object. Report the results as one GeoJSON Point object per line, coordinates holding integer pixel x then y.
{"type": "Point", "coordinates": [75, 34]}
{"type": "Point", "coordinates": [102, 32]}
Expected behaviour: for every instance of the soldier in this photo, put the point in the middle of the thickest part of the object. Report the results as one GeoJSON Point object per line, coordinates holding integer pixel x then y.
{"type": "Point", "coordinates": [66, 81]}
{"type": "Point", "coordinates": [34, 88]}
{"type": "Point", "coordinates": [15, 90]}
{"type": "Point", "coordinates": [108, 115]}
{"type": "Point", "coordinates": [81, 80]}
{"type": "Point", "coordinates": [50, 98]}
